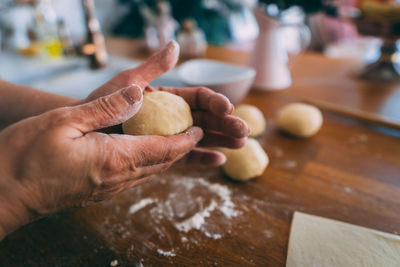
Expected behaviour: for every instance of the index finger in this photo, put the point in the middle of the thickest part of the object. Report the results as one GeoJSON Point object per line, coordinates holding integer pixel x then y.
{"type": "Point", "coordinates": [155, 66]}
{"type": "Point", "coordinates": [203, 98]}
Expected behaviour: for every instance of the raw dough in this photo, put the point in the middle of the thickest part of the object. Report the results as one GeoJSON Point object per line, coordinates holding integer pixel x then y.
{"type": "Point", "coordinates": [247, 162]}
{"type": "Point", "coordinates": [300, 119]}
{"type": "Point", "coordinates": [316, 241]}
{"type": "Point", "coordinates": [162, 113]}
{"type": "Point", "coordinates": [253, 117]}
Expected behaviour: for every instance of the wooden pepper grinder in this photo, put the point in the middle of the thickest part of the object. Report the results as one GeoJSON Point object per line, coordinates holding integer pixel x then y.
{"type": "Point", "coordinates": [95, 47]}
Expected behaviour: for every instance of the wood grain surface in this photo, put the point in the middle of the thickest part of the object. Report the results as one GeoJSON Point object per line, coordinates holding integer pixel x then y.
{"type": "Point", "coordinates": [349, 171]}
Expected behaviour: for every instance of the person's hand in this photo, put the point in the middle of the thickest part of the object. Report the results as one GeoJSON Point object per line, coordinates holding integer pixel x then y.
{"type": "Point", "coordinates": [57, 160]}
{"type": "Point", "coordinates": [211, 111]}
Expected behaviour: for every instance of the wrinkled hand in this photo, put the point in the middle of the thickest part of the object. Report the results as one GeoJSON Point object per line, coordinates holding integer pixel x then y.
{"type": "Point", "coordinates": [57, 160]}
{"type": "Point", "coordinates": [211, 111]}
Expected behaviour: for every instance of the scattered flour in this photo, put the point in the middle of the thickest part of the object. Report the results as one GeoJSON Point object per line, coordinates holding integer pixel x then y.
{"type": "Point", "coordinates": [227, 207]}
{"type": "Point", "coordinates": [290, 164]}
{"type": "Point", "coordinates": [212, 210]}
{"type": "Point", "coordinates": [197, 220]}
{"type": "Point", "coordinates": [275, 151]}
{"type": "Point", "coordinates": [173, 207]}
{"type": "Point", "coordinates": [347, 189]}
{"type": "Point", "coordinates": [166, 253]}
{"type": "Point", "coordinates": [360, 138]}
{"type": "Point", "coordinates": [140, 205]}
{"type": "Point", "coordinates": [213, 236]}
{"type": "Point", "coordinates": [363, 138]}
{"type": "Point", "coordinates": [268, 233]}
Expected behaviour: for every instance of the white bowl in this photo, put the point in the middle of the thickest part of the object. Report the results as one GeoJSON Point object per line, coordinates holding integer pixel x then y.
{"type": "Point", "coordinates": [231, 80]}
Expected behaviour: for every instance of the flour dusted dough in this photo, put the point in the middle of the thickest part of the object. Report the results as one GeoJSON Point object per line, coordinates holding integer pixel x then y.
{"type": "Point", "coordinates": [162, 113]}
{"type": "Point", "coordinates": [316, 241]}
{"type": "Point", "coordinates": [253, 117]}
{"type": "Point", "coordinates": [247, 162]}
{"type": "Point", "coordinates": [300, 119]}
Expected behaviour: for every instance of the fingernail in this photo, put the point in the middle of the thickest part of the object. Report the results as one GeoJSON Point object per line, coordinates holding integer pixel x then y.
{"type": "Point", "coordinates": [231, 108]}
{"type": "Point", "coordinates": [132, 94]}
{"type": "Point", "coordinates": [245, 129]}
{"type": "Point", "coordinates": [248, 130]}
{"type": "Point", "coordinates": [169, 56]}
{"type": "Point", "coordinates": [223, 160]}
{"type": "Point", "coordinates": [173, 45]}
{"type": "Point", "coordinates": [241, 127]}
{"type": "Point", "coordinates": [215, 160]}
{"type": "Point", "coordinates": [195, 133]}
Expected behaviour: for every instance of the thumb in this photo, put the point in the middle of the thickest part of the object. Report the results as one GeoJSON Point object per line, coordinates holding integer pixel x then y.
{"type": "Point", "coordinates": [109, 110]}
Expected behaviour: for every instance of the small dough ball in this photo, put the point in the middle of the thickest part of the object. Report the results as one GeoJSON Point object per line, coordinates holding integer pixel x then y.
{"type": "Point", "coordinates": [247, 162]}
{"type": "Point", "coordinates": [162, 113]}
{"type": "Point", "coordinates": [300, 119]}
{"type": "Point", "coordinates": [253, 117]}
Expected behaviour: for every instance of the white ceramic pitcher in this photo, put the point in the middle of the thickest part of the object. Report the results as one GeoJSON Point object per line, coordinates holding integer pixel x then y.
{"type": "Point", "coordinates": [270, 56]}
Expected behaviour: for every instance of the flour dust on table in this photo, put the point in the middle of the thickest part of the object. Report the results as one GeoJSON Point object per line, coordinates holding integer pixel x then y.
{"type": "Point", "coordinates": [175, 214]}
{"type": "Point", "coordinates": [167, 208]}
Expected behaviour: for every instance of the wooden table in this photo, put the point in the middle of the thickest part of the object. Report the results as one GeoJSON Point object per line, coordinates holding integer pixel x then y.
{"type": "Point", "coordinates": [350, 171]}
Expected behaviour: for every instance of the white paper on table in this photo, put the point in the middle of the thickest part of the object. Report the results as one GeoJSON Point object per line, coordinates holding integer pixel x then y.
{"type": "Point", "coordinates": [317, 241]}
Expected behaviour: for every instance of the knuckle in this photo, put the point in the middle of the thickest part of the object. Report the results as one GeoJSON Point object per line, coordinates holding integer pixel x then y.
{"type": "Point", "coordinates": [197, 118]}
{"type": "Point", "coordinates": [96, 180]}
{"type": "Point", "coordinates": [206, 92]}
{"type": "Point", "coordinates": [110, 167]}
{"type": "Point", "coordinates": [204, 89]}
{"type": "Point", "coordinates": [173, 150]}
{"type": "Point", "coordinates": [166, 167]}
{"type": "Point", "coordinates": [108, 108]}
{"type": "Point", "coordinates": [168, 152]}
{"type": "Point", "coordinates": [169, 156]}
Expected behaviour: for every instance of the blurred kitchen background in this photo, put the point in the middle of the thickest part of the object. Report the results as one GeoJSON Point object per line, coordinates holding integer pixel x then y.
{"type": "Point", "coordinates": [44, 42]}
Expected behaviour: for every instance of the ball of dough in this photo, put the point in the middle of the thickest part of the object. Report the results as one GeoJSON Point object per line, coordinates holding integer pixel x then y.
{"type": "Point", "coordinates": [162, 113]}
{"type": "Point", "coordinates": [300, 119]}
{"type": "Point", "coordinates": [247, 162]}
{"type": "Point", "coordinates": [253, 117]}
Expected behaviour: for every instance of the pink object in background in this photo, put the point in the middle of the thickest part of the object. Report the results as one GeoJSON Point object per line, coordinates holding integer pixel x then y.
{"type": "Point", "coordinates": [270, 55]}
{"type": "Point", "coordinates": [326, 30]}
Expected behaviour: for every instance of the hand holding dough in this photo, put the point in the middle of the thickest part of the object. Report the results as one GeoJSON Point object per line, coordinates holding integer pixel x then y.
{"type": "Point", "coordinates": [162, 113]}
{"type": "Point", "coordinates": [253, 117]}
{"type": "Point", "coordinates": [247, 162]}
{"type": "Point", "coordinates": [300, 119]}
